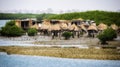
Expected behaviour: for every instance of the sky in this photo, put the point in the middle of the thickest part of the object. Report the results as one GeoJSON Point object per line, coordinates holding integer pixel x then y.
{"type": "Point", "coordinates": [58, 5]}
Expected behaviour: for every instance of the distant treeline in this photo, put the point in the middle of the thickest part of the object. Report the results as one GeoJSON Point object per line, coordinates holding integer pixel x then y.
{"type": "Point", "coordinates": [16, 16]}
{"type": "Point", "coordinates": [98, 16]}
{"type": "Point", "coordinates": [13, 16]}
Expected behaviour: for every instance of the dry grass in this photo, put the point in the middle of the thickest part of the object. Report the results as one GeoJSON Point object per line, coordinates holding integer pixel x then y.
{"type": "Point", "coordinates": [110, 54]}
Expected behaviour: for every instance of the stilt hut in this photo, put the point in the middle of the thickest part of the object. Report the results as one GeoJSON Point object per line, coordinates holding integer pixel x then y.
{"type": "Point", "coordinates": [74, 29]}
{"type": "Point", "coordinates": [64, 25]}
{"type": "Point", "coordinates": [92, 30]}
{"type": "Point", "coordinates": [114, 27]}
{"type": "Point", "coordinates": [44, 27]}
{"type": "Point", "coordinates": [55, 30]}
{"type": "Point", "coordinates": [102, 26]}
{"type": "Point", "coordinates": [83, 28]}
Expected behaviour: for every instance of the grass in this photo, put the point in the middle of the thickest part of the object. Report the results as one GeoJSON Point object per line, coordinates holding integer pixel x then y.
{"type": "Point", "coordinates": [91, 53]}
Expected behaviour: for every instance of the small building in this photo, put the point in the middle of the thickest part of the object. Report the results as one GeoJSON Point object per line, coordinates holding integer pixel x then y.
{"type": "Point", "coordinates": [26, 23]}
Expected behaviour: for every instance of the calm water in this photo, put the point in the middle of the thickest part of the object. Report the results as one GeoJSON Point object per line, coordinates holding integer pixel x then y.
{"type": "Point", "coordinates": [3, 22]}
{"type": "Point", "coordinates": [40, 61]}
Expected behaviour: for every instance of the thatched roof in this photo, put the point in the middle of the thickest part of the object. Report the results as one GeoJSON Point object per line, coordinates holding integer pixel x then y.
{"type": "Point", "coordinates": [45, 26]}
{"type": "Point", "coordinates": [64, 26]}
{"type": "Point", "coordinates": [54, 27]}
{"type": "Point", "coordinates": [64, 21]}
{"type": "Point", "coordinates": [80, 19]}
{"type": "Point", "coordinates": [94, 24]}
{"type": "Point", "coordinates": [82, 26]}
{"type": "Point", "coordinates": [102, 26]}
{"type": "Point", "coordinates": [47, 23]}
{"type": "Point", "coordinates": [92, 27]}
{"type": "Point", "coordinates": [114, 26]}
{"type": "Point", "coordinates": [73, 27]}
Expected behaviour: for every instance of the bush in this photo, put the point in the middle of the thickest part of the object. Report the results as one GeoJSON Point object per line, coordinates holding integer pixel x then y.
{"type": "Point", "coordinates": [11, 30]}
{"type": "Point", "coordinates": [67, 35]}
{"type": "Point", "coordinates": [107, 35]}
{"type": "Point", "coordinates": [32, 32]}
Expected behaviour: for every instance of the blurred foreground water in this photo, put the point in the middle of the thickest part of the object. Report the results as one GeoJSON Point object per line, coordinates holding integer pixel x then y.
{"type": "Point", "coordinates": [40, 61]}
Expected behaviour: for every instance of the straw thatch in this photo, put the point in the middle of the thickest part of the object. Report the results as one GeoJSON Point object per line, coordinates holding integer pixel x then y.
{"type": "Point", "coordinates": [102, 26]}
{"type": "Point", "coordinates": [73, 27]}
{"type": "Point", "coordinates": [64, 26]}
{"type": "Point", "coordinates": [82, 27]}
{"type": "Point", "coordinates": [54, 27]}
{"type": "Point", "coordinates": [114, 26]}
{"type": "Point", "coordinates": [80, 19]}
{"type": "Point", "coordinates": [45, 26]}
{"type": "Point", "coordinates": [63, 21]}
{"type": "Point", "coordinates": [94, 24]}
{"type": "Point", "coordinates": [92, 27]}
{"type": "Point", "coordinates": [47, 23]}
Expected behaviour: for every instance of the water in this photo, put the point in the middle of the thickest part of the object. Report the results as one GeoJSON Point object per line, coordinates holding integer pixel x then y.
{"type": "Point", "coordinates": [40, 61]}
{"type": "Point", "coordinates": [3, 22]}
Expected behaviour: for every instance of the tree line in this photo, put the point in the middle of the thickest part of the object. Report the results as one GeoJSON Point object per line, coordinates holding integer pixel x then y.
{"type": "Point", "coordinates": [98, 16]}
{"type": "Point", "coordinates": [16, 16]}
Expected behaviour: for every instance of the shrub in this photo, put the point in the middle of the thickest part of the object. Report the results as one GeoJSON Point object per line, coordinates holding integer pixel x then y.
{"type": "Point", "coordinates": [11, 30]}
{"type": "Point", "coordinates": [32, 32]}
{"type": "Point", "coordinates": [107, 35]}
{"type": "Point", "coordinates": [67, 35]}
{"type": "Point", "coordinates": [10, 23]}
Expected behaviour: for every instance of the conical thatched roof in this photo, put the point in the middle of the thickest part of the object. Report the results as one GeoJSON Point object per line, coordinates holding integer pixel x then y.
{"type": "Point", "coordinates": [45, 26]}
{"type": "Point", "coordinates": [73, 27]}
{"type": "Point", "coordinates": [82, 27]}
{"type": "Point", "coordinates": [92, 27]}
{"type": "Point", "coordinates": [114, 26]}
{"type": "Point", "coordinates": [94, 24]}
{"type": "Point", "coordinates": [54, 27]}
{"type": "Point", "coordinates": [102, 26]}
{"type": "Point", "coordinates": [47, 23]}
{"type": "Point", "coordinates": [64, 26]}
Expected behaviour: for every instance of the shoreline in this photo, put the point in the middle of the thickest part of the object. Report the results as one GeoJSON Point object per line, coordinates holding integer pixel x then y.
{"type": "Point", "coordinates": [75, 53]}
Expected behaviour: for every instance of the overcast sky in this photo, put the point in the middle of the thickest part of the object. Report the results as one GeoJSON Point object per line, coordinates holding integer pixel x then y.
{"type": "Point", "coordinates": [58, 5]}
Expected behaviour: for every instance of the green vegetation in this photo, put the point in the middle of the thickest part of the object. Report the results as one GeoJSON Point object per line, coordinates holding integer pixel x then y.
{"type": "Point", "coordinates": [107, 35]}
{"type": "Point", "coordinates": [32, 32]}
{"type": "Point", "coordinates": [43, 16]}
{"type": "Point", "coordinates": [67, 35]}
{"type": "Point", "coordinates": [16, 16]}
{"type": "Point", "coordinates": [103, 54]}
{"type": "Point", "coordinates": [23, 16]}
{"type": "Point", "coordinates": [11, 30]}
{"type": "Point", "coordinates": [99, 16]}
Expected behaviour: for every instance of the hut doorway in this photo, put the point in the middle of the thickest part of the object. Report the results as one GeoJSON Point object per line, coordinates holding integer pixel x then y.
{"type": "Point", "coordinates": [25, 25]}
